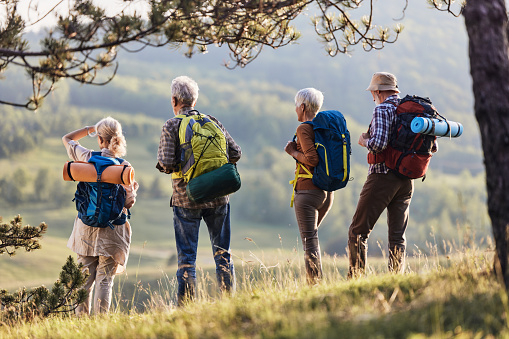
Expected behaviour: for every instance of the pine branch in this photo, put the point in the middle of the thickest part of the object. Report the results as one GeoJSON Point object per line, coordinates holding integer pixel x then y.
{"type": "Point", "coordinates": [14, 236]}
{"type": "Point", "coordinates": [85, 42]}
{"type": "Point", "coordinates": [64, 297]}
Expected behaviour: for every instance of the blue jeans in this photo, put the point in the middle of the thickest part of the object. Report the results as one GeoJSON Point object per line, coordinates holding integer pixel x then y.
{"type": "Point", "coordinates": [187, 224]}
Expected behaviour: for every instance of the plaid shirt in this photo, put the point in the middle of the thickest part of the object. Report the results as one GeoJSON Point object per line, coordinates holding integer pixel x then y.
{"type": "Point", "coordinates": [382, 125]}
{"type": "Point", "coordinates": [168, 157]}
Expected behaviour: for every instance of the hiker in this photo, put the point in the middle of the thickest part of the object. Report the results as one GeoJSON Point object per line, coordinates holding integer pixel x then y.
{"type": "Point", "coordinates": [383, 188]}
{"type": "Point", "coordinates": [186, 213]}
{"type": "Point", "coordinates": [102, 251]}
{"type": "Point", "coordinates": [311, 203]}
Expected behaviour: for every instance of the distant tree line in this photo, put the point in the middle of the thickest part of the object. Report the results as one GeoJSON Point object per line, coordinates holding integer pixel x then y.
{"type": "Point", "coordinates": [20, 187]}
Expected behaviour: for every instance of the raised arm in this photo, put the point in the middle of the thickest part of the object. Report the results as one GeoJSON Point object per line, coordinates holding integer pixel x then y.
{"type": "Point", "coordinates": [78, 134]}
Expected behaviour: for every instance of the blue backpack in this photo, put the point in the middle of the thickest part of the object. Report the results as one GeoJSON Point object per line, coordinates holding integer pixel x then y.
{"type": "Point", "coordinates": [100, 204]}
{"type": "Point", "coordinates": [332, 141]}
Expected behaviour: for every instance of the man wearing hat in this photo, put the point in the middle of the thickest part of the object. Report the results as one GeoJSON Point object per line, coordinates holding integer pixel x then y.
{"type": "Point", "coordinates": [382, 189]}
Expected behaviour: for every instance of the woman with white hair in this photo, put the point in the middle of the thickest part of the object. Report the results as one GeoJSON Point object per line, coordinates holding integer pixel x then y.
{"type": "Point", "coordinates": [102, 251]}
{"type": "Point", "coordinates": [311, 203]}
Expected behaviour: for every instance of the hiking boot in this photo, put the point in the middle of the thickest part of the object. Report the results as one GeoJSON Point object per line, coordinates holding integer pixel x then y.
{"type": "Point", "coordinates": [397, 259]}
{"type": "Point", "coordinates": [357, 253]}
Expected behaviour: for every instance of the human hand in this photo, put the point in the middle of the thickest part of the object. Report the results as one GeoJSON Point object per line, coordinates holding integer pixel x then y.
{"type": "Point", "coordinates": [291, 148]}
{"type": "Point", "coordinates": [363, 139]}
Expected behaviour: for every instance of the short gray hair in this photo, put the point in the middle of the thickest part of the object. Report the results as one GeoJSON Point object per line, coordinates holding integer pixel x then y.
{"type": "Point", "coordinates": [185, 90]}
{"type": "Point", "coordinates": [311, 97]}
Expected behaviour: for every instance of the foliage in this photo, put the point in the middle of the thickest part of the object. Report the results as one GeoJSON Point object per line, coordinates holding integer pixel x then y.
{"type": "Point", "coordinates": [64, 297]}
{"type": "Point", "coordinates": [19, 132]}
{"type": "Point", "coordinates": [86, 39]}
{"type": "Point", "coordinates": [25, 304]}
{"type": "Point", "coordinates": [14, 192]}
{"type": "Point", "coordinates": [14, 236]}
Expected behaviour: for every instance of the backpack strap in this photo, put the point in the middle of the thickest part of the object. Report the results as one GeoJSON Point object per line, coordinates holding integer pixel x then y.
{"type": "Point", "coordinates": [122, 174]}
{"type": "Point", "coordinates": [297, 176]}
{"type": "Point", "coordinates": [69, 170]}
{"type": "Point", "coordinates": [100, 162]}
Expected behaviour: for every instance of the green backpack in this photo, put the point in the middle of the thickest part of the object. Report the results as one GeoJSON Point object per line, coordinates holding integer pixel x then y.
{"type": "Point", "coordinates": [203, 146]}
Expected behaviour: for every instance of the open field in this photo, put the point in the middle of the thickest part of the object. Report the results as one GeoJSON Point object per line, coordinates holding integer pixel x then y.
{"type": "Point", "coordinates": [441, 297]}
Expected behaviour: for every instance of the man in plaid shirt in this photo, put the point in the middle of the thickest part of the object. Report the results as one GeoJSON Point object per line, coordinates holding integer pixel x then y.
{"type": "Point", "coordinates": [382, 189]}
{"type": "Point", "coordinates": [187, 214]}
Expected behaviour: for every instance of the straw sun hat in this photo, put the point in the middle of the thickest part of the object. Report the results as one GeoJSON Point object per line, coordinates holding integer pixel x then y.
{"type": "Point", "coordinates": [383, 81]}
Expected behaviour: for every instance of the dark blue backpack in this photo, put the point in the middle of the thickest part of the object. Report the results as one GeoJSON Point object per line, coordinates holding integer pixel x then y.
{"type": "Point", "coordinates": [100, 204]}
{"type": "Point", "coordinates": [332, 140]}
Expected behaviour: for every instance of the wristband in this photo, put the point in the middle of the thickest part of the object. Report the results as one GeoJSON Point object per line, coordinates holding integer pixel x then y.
{"type": "Point", "coordinates": [93, 134]}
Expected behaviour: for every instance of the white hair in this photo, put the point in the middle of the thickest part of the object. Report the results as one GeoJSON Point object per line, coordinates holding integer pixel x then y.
{"type": "Point", "coordinates": [185, 90]}
{"type": "Point", "coordinates": [311, 97]}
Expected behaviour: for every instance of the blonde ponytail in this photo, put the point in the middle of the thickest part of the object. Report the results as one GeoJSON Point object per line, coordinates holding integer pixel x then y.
{"type": "Point", "coordinates": [111, 131]}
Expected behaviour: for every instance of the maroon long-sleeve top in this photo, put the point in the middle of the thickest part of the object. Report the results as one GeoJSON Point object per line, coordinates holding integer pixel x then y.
{"type": "Point", "coordinates": [307, 155]}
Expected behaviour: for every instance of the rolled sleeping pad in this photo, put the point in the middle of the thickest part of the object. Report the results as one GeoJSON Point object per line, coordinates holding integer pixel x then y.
{"type": "Point", "coordinates": [214, 184]}
{"type": "Point", "coordinates": [85, 171]}
{"type": "Point", "coordinates": [439, 128]}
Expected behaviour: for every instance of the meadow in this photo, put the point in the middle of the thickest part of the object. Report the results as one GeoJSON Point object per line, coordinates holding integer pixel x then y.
{"type": "Point", "coordinates": [451, 296]}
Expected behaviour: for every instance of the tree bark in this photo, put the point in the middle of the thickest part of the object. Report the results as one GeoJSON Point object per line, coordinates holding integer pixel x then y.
{"type": "Point", "coordinates": [486, 22]}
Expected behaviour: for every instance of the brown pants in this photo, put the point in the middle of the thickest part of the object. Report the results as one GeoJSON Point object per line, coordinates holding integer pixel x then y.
{"type": "Point", "coordinates": [380, 191]}
{"type": "Point", "coordinates": [102, 271]}
{"type": "Point", "coordinates": [311, 206]}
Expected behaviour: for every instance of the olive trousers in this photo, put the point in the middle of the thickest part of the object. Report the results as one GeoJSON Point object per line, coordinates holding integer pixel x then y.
{"type": "Point", "coordinates": [380, 192]}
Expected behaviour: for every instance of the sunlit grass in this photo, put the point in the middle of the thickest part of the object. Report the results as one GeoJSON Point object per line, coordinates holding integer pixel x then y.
{"type": "Point", "coordinates": [451, 295]}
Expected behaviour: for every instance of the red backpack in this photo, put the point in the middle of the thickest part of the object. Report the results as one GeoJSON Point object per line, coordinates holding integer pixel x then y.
{"type": "Point", "coordinates": [408, 153]}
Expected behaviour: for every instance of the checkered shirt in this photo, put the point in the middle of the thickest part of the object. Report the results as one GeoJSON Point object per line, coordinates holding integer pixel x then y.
{"type": "Point", "coordinates": [168, 157]}
{"type": "Point", "coordinates": [382, 125]}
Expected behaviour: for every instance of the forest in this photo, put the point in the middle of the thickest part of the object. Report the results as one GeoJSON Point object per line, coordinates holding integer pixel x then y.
{"type": "Point", "coordinates": [256, 106]}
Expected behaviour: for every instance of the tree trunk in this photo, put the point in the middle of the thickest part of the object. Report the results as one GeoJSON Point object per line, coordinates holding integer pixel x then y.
{"type": "Point", "coordinates": [486, 23]}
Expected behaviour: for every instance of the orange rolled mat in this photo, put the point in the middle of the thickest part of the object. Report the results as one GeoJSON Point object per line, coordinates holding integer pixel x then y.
{"type": "Point", "coordinates": [84, 171]}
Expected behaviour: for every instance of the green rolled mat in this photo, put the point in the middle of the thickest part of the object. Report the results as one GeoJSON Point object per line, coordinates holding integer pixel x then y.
{"type": "Point", "coordinates": [214, 184]}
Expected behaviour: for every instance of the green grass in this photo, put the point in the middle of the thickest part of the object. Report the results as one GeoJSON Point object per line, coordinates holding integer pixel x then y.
{"type": "Point", "coordinates": [460, 299]}
{"type": "Point", "coordinates": [442, 295]}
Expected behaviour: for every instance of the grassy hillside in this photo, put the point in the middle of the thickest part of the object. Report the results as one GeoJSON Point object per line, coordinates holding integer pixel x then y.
{"type": "Point", "coordinates": [453, 297]}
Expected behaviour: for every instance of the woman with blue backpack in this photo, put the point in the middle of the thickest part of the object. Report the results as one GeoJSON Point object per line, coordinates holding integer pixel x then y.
{"type": "Point", "coordinates": [311, 203]}
{"type": "Point", "coordinates": [102, 249]}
